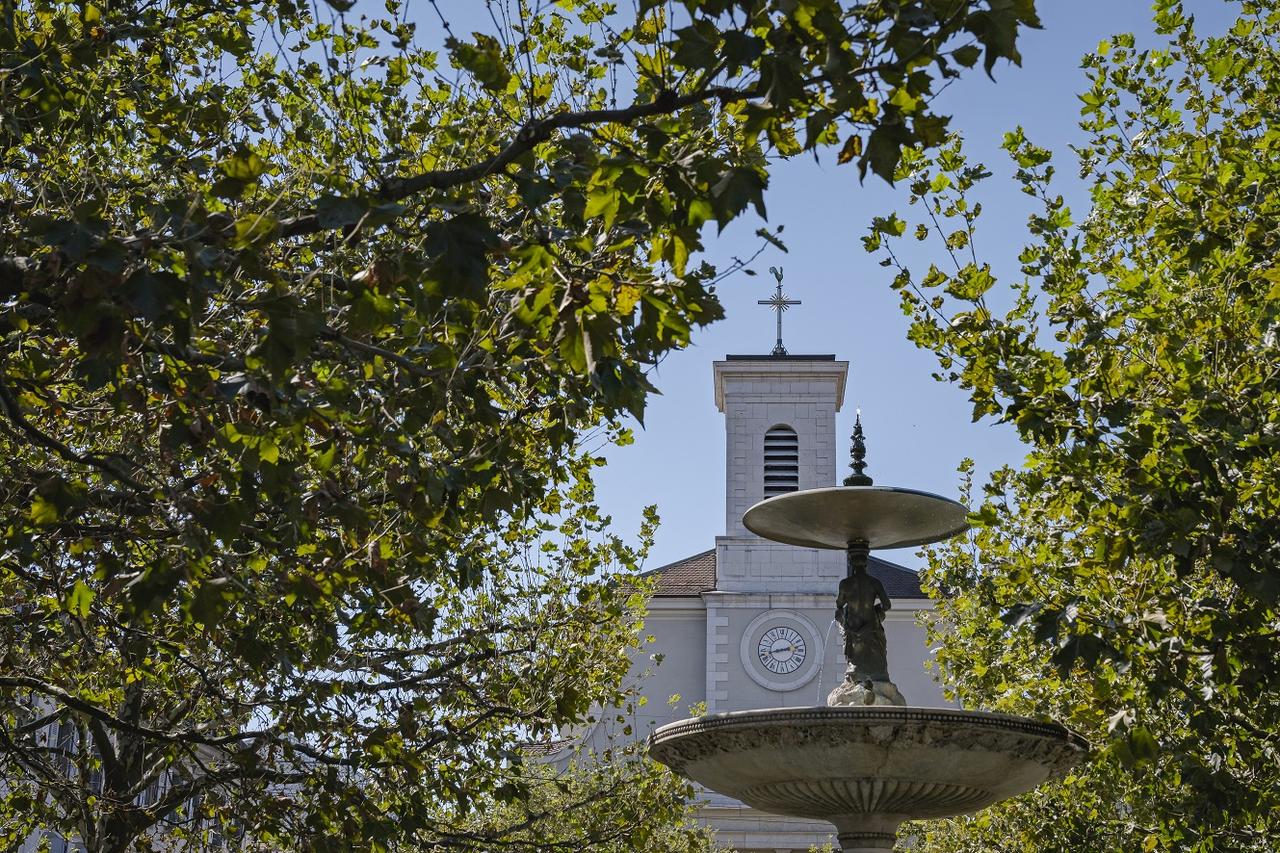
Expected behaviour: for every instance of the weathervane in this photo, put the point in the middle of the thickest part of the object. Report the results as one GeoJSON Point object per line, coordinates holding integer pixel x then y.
{"type": "Point", "coordinates": [779, 302]}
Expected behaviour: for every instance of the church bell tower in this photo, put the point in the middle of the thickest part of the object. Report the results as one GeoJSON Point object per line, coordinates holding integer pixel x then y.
{"type": "Point", "coordinates": [780, 425]}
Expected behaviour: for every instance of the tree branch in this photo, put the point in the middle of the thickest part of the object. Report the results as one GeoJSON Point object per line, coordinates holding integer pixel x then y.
{"type": "Point", "coordinates": [529, 136]}
{"type": "Point", "coordinates": [75, 703]}
{"type": "Point", "coordinates": [11, 409]}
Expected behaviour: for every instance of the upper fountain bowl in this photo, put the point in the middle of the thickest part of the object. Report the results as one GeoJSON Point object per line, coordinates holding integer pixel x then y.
{"type": "Point", "coordinates": [882, 516]}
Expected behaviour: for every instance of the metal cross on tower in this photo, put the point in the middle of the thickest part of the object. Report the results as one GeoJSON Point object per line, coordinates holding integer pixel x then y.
{"type": "Point", "coordinates": [779, 302]}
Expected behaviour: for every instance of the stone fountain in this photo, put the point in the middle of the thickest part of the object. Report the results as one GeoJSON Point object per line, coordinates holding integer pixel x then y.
{"type": "Point", "coordinates": [866, 761]}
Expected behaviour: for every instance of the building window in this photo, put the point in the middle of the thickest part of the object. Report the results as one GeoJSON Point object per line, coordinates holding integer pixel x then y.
{"type": "Point", "coordinates": [781, 461]}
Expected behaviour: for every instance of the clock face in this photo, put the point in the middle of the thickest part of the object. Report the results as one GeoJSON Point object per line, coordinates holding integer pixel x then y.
{"type": "Point", "coordinates": [782, 650]}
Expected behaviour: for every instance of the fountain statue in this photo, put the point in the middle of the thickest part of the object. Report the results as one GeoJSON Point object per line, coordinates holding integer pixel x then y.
{"type": "Point", "coordinates": [866, 762]}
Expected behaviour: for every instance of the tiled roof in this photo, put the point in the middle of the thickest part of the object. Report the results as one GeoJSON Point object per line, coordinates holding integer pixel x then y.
{"type": "Point", "coordinates": [541, 748]}
{"type": "Point", "coordinates": [690, 576]}
{"type": "Point", "coordinates": [898, 581]}
{"type": "Point", "coordinates": [697, 574]}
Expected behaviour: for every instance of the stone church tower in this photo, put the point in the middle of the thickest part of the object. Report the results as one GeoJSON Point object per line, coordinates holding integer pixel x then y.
{"type": "Point", "coordinates": [748, 623]}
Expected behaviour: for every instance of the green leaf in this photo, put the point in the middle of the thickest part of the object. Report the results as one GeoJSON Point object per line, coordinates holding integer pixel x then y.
{"type": "Point", "coordinates": [1142, 744]}
{"type": "Point", "coordinates": [80, 600]}
{"type": "Point", "coordinates": [243, 165]}
{"type": "Point", "coordinates": [460, 248]}
{"type": "Point", "coordinates": [210, 601]}
{"type": "Point", "coordinates": [967, 55]}
{"type": "Point", "coordinates": [268, 451]}
{"type": "Point", "coordinates": [397, 71]}
{"type": "Point", "coordinates": [741, 48]}
{"type": "Point", "coordinates": [254, 229]}
{"type": "Point", "coordinates": [323, 460]}
{"type": "Point", "coordinates": [737, 188]}
{"type": "Point", "coordinates": [334, 212]}
{"type": "Point", "coordinates": [884, 150]}
{"type": "Point", "coordinates": [42, 512]}
{"type": "Point", "coordinates": [483, 59]}
{"type": "Point", "coordinates": [603, 201]}
{"type": "Point", "coordinates": [153, 295]}
{"type": "Point", "coordinates": [695, 46]}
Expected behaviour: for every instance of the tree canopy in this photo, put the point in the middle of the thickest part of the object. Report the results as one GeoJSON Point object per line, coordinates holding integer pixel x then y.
{"type": "Point", "coordinates": [310, 323]}
{"type": "Point", "coordinates": [1125, 579]}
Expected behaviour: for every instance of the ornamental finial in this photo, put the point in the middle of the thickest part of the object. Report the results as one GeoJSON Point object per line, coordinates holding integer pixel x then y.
{"type": "Point", "coordinates": [858, 456]}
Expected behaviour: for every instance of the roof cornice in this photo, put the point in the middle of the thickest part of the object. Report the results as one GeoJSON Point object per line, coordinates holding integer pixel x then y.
{"type": "Point", "coordinates": [786, 367]}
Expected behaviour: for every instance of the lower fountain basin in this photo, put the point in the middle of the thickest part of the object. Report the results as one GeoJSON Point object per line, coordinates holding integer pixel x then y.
{"type": "Point", "coordinates": [866, 769]}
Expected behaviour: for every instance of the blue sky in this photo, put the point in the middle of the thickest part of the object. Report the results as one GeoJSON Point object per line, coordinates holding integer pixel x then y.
{"type": "Point", "coordinates": [918, 430]}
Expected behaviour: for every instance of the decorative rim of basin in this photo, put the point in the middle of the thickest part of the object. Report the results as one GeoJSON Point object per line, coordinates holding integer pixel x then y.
{"type": "Point", "coordinates": [867, 715]}
{"type": "Point", "coordinates": [867, 769]}
{"type": "Point", "coordinates": [883, 516]}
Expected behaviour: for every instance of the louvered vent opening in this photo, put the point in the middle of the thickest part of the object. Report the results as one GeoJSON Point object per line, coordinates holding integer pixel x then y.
{"type": "Point", "coordinates": [781, 461]}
